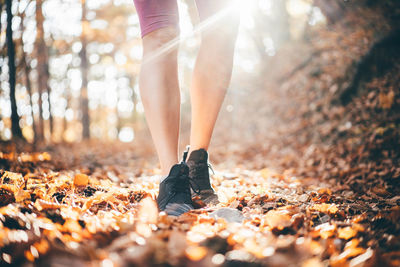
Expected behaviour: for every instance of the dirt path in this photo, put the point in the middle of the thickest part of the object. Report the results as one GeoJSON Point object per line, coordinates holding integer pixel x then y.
{"type": "Point", "coordinates": [100, 211]}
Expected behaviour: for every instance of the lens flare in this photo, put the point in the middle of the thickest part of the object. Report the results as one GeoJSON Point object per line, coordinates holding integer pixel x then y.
{"type": "Point", "coordinates": [201, 27]}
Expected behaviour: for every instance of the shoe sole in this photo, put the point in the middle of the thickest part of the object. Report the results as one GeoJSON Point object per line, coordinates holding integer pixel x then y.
{"type": "Point", "coordinates": [177, 209]}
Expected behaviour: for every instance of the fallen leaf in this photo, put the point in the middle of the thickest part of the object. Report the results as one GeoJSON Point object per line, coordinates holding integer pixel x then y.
{"type": "Point", "coordinates": [325, 208]}
{"type": "Point", "coordinates": [347, 233]}
{"type": "Point", "coordinates": [81, 179]}
{"type": "Point", "coordinates": [277, 218]}
{"type": "Point", "coordinates": [195, 253]}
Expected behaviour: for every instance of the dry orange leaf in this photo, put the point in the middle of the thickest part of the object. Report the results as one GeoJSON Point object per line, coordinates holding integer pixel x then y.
{"type": "Point", "coordinates": [81, 179]}
{"type": "Point", "coordinates": [325, 191]}
{"type": "Point", "coordinates": [196, 253]}
{"type": "Point", "coordinates": [42, 246]}
{"type": "Point", "coordinates": [72, 226]}
{"type": "Point", "coordinates": [347, 232]}
{"type": "Point", "coordinates": [386, 100]}
{"type": "Point", "coordinates": [43, 156]}
{"type": "Point", "coordinates": [29, 256]}
{"type": "Point", "coordinates": [21, 195]}
{"type": "Point", "coordinates": [326, 230]}
{"type": "Point", "coordinates": [12, 178]}
{"type": "Point", "coordinates": [148, 211]}
{"type": "Point", "coordinates": [277, 218]}
{"type": "Point", "coordinates": [325, 208]}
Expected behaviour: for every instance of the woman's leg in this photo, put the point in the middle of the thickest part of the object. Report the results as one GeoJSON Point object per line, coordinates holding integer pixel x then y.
{"type": "Point", "coordinates": [158, 81]}
{"type": "Point", "coordinates": [159, 90]}
{"type": "Point", "coordinates": [213, 69]}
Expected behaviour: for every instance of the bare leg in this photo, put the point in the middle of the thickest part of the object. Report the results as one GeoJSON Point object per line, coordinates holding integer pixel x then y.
{"type": "Point", "coordinates": [211, 77]}
{"type": "Point", "coordinates": [159, 90]}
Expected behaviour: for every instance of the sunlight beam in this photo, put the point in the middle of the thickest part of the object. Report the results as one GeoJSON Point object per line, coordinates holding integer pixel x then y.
{"type": "Point", "coordinates": [201, 27]}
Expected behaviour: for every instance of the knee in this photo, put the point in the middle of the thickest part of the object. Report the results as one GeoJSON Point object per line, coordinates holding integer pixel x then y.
{"type": "Point", "coordinates": [229, 26]}
{"type": "Point", "coordinates": [223, 33]}
{"type": "Point", "coordinates": [158, 38]}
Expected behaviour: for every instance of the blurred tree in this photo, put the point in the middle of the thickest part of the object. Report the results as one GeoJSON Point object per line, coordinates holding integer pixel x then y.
{"type": "Point", "coordinates": [113, 45]}
{"type": "Point", "coordinates": [277, 35]}
{"type": "Point", "coordinates": [42, 68]}
{"type": "Point", "coordinates": [135, 100]}
{"type": "Point", "coordinates": [280, 19]}
{"type": "Point", "coordinates": [15, 128]}
{"type": "Point", "coordinates": [26, 69]}
{"type": "Point", "coordinates": [67, 97]}
{"type": "Point", "coordinates": [1, 50]}
{"type": "Point", "coordinates": [84, 71]}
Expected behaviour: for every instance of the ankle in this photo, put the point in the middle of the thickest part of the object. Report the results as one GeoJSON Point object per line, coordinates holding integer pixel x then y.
{"type": "Point", "coordinates": [198, 155]}
{"type": "Point", "coordinates": [166, 168]}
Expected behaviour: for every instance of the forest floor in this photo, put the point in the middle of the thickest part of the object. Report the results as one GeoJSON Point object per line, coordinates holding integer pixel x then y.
{"type": "Point", "coordinates": [92, 204]}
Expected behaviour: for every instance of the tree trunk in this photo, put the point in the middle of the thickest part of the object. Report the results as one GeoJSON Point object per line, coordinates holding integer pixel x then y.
{"type": "Point", "coordinates": [119, 119]}
{"type": "Point", "coordinates": [51, 121]}
{"type": "Point", "coordinates": [1, 52]}
{"type": "Point", "coordinates": [15, 129]}
{"type": "Point", "coordinates": [135, 116]}
{"type": "Point", "coordinates": [279, 35]}
{"type": "Point", "coordinates": [27, 71]}
{"type": "Point", "coordinates": [84, 72]}
{"type": "Point", "coordinates": [65, 122]}
{"type": "Point", "coordinates": [67, 96]}
{"type": "Point", "coordinates": [42, 67]}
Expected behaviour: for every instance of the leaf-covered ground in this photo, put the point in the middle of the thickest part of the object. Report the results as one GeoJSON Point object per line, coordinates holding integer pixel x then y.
{"type": "Point", "coordinates": [92, 204]}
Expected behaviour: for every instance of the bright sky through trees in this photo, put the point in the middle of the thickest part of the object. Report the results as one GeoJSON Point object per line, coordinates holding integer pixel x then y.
{"type": "Point", "coordinates": [114, 55]}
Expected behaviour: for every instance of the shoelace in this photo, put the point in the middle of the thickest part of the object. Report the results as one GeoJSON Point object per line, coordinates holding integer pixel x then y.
{"type": "Point", "coordinates": [178, 186]}
{"type": "Point", "coordinates": [198, 170]}
{"type": "Point", "coordinates": [193, 184]}
{"type": "Point", "coordinates": [197, 191]}
{"type": "Point", "coordinates": [211, 167]}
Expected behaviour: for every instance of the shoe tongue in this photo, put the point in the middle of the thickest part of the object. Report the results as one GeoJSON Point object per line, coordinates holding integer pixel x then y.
{"type": "Point", "coordinates": [198, 155]}
{"type": "Point", "coordinates": [178, 170]}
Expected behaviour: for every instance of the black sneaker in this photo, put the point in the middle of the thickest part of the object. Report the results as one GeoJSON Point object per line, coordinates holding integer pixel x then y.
{"type": "Point", "coordinates": [174, 195]}
{"type": "Point", "coordinates": [200, 177]}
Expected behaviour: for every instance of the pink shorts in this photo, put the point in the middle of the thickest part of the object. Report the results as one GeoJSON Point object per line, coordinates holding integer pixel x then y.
{"type": "Point", "coordinates": [155, 14]}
